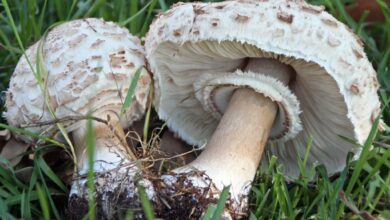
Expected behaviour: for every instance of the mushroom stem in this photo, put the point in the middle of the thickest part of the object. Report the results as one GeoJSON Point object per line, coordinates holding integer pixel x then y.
{"type": "Point", "coordinates": [115, 172]}
{"type": "Point", "coordinates": [233, 153]}
{"type": "Point", "coordinates": [111, 150]}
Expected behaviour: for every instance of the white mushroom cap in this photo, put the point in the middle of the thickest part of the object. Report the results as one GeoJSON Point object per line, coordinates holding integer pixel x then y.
{"type": "Point", "coordinates": [335, 84]}
{"type": "Point", "coordinates": [90, 64]}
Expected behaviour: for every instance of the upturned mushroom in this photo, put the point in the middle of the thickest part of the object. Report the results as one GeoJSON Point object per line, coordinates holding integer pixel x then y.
{"type": "Point", "coordinates": [88, 66]}
{"type": "Point", "coordinates": [242, 77]}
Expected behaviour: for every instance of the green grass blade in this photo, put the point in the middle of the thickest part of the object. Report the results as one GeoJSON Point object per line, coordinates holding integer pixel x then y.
{"type": "Point", "coordinates": [360, 163]}
{"type": "Point", "coordinates": [129, 215]}
{"type": "Point", "coordinates": [4, 211]}
{"type": "Point", "coordinates": [24, 206]}
{"type": "Point", "coordinates": [135, 25]}
{"type": "Point", "coordinates": [147, 115]}
{"type": "Point", "coordinates": [38, 166]}
{"type": "Point", "coordinates": [42, 17]}
{"type": "Point", "coordinates": [145, 27]}
{"type": "Point", "coordinates": [146, 204]}
{"type": "Point", "coordinates": [40, 162]}
{"type": "Point", "coordinates": [163, 5]}
{"type": "Point", "coordinates": [96, 6]}
{"type": "Point", "coordinates": [13, 26]}
{"type": "Point", "coordinates": [73, 5]}
{"type": "Point", "coordinates": [221, 203]}
{"type": "Point", "coordinates": [363, 157]}
{"type": "Point", "coordinates": [130, 92]}
{"type": "Point", "coordinates": [91, 174]}
{"type": "Point", "coordinates": [132, 18]}
{"type": "Point", "coordinates": [44, 203]}
{"type": "Point", "coordinates": [209, 212]}
{"type": "Point", "coordinates": [31, 134]}
{"type": "Point", "coordinates": [40, 76]}
{"type": "Point", "coordinates": [59, 8]}
{"type": "Point", "coordinates": [214, 212]}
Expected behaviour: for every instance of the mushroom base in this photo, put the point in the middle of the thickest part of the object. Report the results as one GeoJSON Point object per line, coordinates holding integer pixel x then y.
{"type": "Point", "coordinates": [188, 196]}
{"type": "Point", "coordinates": [114, 196]}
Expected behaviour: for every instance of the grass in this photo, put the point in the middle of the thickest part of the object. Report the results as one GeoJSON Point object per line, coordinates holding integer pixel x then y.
{"type": "Point", "coordinates": [360, 191]}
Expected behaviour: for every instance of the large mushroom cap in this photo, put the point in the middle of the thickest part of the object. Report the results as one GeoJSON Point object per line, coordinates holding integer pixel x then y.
{"type": "Point", "coordinates": [335, 85]}
{"type": "Point", "coordinates": [89, 66]}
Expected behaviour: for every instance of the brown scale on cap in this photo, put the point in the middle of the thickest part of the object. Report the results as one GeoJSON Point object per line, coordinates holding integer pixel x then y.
{"type": "Point", "coordinates": [219, 7]}
{"type": "Point", "coordinates": [71, 65]}
{"type": "Point", "coordinates": [136, 52]}
{"type": "Point", "coordinates": [77, 40]}
{"type": "Point", "coordinates": [357, 53]}
{"type": "Point", "coordinates": [78, 75]}
{"type": "Point", "coordinates": [344, 62]}
{"type": "Point", "coordinates": [199, 10]}
{"type": "Point", "coordinates": [333, 42]}
{"type": "Point", "coordinates": [9, 98]}
{"type": "Point", "coordinates": [329, 22]}
{"type": "Point", "coordinates": [285, 17]}
{"type": "Point", "coordinates": [214, 22]}
{"type": "Point", "coordinates": [77, 90]}
{"type": "Point", "coordinates": [313, 9]}
{"type": "Point", "coordinates": [161, 30]}
{"type": "Point", "coordinates": [56, 62]}
{"type": "Point", "coordinates": [95, 44]}
{"type": "Point", "coordinates": [34, 118]}
{"type": "Point", "coordinates": [96, 57]}
{"type": "Point", "coordinates": [177, 32]}
{"type": "Point", "coordinates": [144, 80]}
{"type": "Point", "coordinates": [355, 89]}
{"type": "Point", "coordinates": [53, 102]}
{"type": "Point", "coordinates": [97, 69]}
{"type": "Point", "coordinates": [241, 18]}
{"type": "Point", "coordinates": [59, 77]}
{"type": "Point", "coordinates": [70, 86]}
{"type": "Point", "coordinates": [117, 60]}
{"type": "Point", "coordinates": [375, 82]}
{"type": "Point", "coordinates": [142, 95]}
{"type": "Point", "coordinates": [54, 48]}
{"type": "Point", "coordinates": [65, 97]}
{"type": "Point", "coordinates": [89, 80]}
{"type": "Point", "coordinates": [130, 65]}
{"type": "Point", "coordinates": [70, 32]}
{"type": "Point", "coordinates": [31, 83]}
{"type": "Point", "coordinates": [116, 76]}
{"type": "Point", "coordinates": [116, 36]}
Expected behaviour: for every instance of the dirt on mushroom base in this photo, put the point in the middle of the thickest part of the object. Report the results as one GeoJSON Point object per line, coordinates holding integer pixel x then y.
{"type": "Point", "coordinates": [112, 199]}
{"type": "Point", "coordinates": [168, 201]}
{"type": "Point", "coordinates": [182, 199]}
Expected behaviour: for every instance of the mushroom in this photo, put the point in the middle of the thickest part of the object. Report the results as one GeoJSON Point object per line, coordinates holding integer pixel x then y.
{"type": "Point", "coordinates": [89, 65]}
{"type": "Point", "coordinates": [242, 77]}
